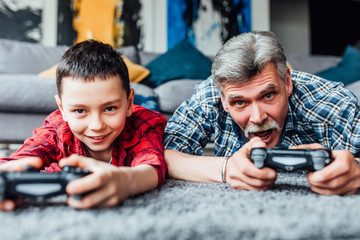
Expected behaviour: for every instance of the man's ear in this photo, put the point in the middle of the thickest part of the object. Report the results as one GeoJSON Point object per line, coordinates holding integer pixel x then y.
{"type": "Point", "coordinates": [224, 102]}
{"type": "Point", "coordinates": [130, 103]}
{"type": "Point", "coordinates": [288, 83]}
{"type": "Point", "coordinates": [60, 106]}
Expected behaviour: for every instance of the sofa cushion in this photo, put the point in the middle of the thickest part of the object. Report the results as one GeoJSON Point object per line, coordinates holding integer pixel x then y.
{"type": "Point", "coordinates": [183, 61]}
{"type": "Point", "coordinates": [137, 72]}
{"type": "Point", "coordinates": [171, 94]}
{"type": "Point", "coordinates": [27, 58]}
{"type": "Point", "coordinates": [354, 87]}
{"type": "Point", "coordinates": [347, 71]}
{"type": "Point", "coordinates": [130, 52]}
{"type": "Point", "coordinates": [27, 93]}
{"type": "Point", "coordinates": [145, 96]}
{"type": "Point", "coordinates": [147, 57]}
{"type": "Point", "coordinates": [312, 63]}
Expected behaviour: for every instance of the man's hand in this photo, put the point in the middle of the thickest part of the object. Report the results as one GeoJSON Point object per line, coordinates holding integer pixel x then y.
{"type": "Point", "coordinates": [17, 165]}
{"type": "Point", "coordinates": [108, 185]}
{"type": "Point", "coordinates": [341, 177]}
{"type": "Point", "coordinates": [241, 173]}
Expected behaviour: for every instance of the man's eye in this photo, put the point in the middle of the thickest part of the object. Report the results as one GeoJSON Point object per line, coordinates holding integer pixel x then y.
{"type": "Point", "coordinates": [269, 95]}
{"type": "Point", "coordinates": [110, 109]}
{"type": "Point", "coordinates": [79, 111]}
{"type": "Point", "coordinates": [239, 103]}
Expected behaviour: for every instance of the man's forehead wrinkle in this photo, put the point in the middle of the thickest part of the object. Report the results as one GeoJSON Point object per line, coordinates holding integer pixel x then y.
{"type": "Point", "coordinates": [267, 88]}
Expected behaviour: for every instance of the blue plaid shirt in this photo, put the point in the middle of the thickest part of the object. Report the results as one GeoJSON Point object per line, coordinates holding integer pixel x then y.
{"type": "Point", "coordinates": [320, 111]}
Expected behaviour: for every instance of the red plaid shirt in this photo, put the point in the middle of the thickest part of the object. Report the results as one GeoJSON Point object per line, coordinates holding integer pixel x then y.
{"type": "Point", "coordinates": [140, 142]}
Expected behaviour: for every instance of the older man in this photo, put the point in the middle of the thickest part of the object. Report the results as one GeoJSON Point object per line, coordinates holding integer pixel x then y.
{"type": "Point", "coordinates": [253, 100]}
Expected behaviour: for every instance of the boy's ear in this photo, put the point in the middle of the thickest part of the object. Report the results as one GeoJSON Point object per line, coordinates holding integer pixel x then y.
{"type": "Point", "coordinates": [130, 103]}
{"type": "Point", "coordinates": [60, 106]}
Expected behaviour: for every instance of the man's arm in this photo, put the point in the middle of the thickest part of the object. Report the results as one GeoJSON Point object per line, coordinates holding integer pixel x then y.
{"type": "Point", "coordinates": [240, 172]}
{"type": "Point", "coordinates": [341, 177]}
{"type": "Point", "coordinates": [193, 168]}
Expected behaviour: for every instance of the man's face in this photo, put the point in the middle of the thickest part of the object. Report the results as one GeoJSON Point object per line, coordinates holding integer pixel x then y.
{"type": "Point", "coordinates": [95, 111]}
{"type": "Point", "coordinates": [260, 106]}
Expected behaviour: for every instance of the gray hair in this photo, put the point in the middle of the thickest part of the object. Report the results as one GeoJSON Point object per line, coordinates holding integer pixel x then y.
{"type": "Point", "coordinates": [244, 56]}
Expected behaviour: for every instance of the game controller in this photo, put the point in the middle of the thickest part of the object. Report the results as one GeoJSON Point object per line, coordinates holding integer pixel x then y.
{"type": "Point", "coordinates": [291, 159]}
{"type": "Point", "coordinates": [38, 185]}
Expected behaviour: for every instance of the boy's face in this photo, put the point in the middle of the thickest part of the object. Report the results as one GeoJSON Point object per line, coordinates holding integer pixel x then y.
{"type": "Point", "coordinates": [96, 112]}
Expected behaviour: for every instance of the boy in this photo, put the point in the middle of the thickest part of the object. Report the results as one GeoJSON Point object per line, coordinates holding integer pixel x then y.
{"type": "Point", "coordinates": [96, 127]}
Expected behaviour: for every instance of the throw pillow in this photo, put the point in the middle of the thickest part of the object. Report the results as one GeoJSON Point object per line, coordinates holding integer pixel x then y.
{"type": "Point", "coordinates": [27, 58]}
{"type": "Point", "coordinates": [136, 71]}
{"type": "Point", "coordinates": [49, 73]}
{"type": "Point", "coordinates": [183, 61]}
{"type": "Point", "coordinates": [145, 96]}
{"type": "Point", "coordinates": [347, 71]}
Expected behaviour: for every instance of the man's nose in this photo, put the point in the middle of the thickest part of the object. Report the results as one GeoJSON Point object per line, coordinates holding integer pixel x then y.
{"type": "Point", "coordinates": [96, 122]}
{"type": "Point", "coordinates": [258, 115]}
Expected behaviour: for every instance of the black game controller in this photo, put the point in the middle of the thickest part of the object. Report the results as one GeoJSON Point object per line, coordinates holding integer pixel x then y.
{"type": "Point", "coordinates": [291, 159]}
{"type": "Point", "coordinates": [37, 185]}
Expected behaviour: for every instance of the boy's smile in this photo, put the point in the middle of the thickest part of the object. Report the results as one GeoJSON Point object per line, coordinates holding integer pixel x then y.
{"type": "Point", "coordinates": [96, 112]}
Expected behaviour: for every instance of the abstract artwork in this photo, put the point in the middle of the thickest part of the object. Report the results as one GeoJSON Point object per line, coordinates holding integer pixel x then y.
{"type": "Point", "coordinates": [110, 21]}
{"type": "Point", "coordinates": [21, 20]}
{"type": "Point", "coordinates": [207, 23]}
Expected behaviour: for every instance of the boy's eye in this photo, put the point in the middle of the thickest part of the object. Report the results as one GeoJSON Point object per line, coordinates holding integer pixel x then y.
{"type": "Point", "coordinates": [110, 109]}
{"type": "Point", "coordinates": [79, 111]}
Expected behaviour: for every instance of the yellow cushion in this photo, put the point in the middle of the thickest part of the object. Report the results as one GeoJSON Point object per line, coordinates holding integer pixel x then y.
{"type": "Point", "coordinates": [137, 73]}
{"type": "Point", "coordinates": [51, 72]}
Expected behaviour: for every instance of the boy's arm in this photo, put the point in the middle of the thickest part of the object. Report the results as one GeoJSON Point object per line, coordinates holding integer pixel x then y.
{"type": "Point", "coordinates": [17, 165]}
{"type": "Point", "coordinates": [150, 148]}
{"type": "Point", "coordinates": [107, 185]}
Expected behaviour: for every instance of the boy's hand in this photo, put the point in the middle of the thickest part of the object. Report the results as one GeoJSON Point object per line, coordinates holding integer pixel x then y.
{"type": "Point", "coordinates": [242, 174]}
{"type": "Point", "coordinates": [341, 177]}
{"type": "Point", "coordinates": [17, 165]}
{"type": "Point", "coordinates": [106, 186]}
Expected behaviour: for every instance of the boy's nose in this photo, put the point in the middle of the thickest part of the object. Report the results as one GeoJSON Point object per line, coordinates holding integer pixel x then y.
{"type": "Point", "coordinates": [96, 123]}
{"type": "Point", "coordinates": [258, 115]}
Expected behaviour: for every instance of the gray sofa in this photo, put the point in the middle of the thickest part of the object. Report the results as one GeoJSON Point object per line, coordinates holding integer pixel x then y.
{"type": "Point", "coordinates": [26, 98]}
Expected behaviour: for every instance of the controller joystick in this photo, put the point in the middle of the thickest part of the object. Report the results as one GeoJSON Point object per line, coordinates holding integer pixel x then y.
{"type": "Point", "coordinates": [37, 185]}
{"type": "Point", "coordinates": [291, 159]}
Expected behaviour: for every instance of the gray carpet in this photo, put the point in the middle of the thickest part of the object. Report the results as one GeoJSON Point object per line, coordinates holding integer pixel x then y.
{"type": "Point", "coordinates": [186, 210]}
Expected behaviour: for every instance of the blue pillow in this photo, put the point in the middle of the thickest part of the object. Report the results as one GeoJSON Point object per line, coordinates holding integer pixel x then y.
{"type": "Point", "coordinates": [183, 61]}
{"type": "Point", "coordinates": [147, 102]}
{"type": "Point", "coordinates": [347, 71]}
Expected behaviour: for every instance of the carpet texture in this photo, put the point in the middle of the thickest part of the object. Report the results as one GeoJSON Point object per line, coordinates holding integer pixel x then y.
{"type": "Point", "coordinates": [187, 210]}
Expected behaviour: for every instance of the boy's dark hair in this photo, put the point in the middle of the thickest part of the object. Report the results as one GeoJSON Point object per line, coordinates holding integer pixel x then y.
{"type": "Point", "coordinates": [89, 59]}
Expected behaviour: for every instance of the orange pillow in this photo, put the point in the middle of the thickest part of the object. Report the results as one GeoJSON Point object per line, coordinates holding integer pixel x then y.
{"type": "Point", "coordinates": [137, 73]}
{"type": "Point", "coordinates": [51, 72]}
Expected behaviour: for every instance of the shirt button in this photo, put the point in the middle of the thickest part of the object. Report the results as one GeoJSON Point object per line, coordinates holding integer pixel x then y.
{"type": "Point", "coordinates": [237, 145]}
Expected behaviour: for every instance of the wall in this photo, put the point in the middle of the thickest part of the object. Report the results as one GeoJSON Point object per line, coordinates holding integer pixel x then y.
{"type": "Point", "coordinates": [290, 21]}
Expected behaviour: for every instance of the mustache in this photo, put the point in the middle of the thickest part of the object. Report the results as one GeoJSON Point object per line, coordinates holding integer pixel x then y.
{"type": "Point", "coordinates": [261, 127]}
